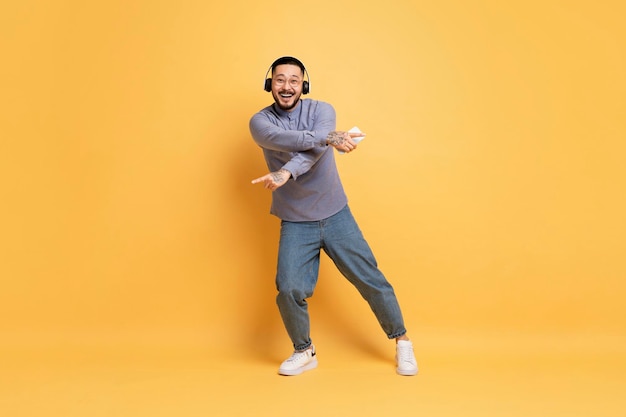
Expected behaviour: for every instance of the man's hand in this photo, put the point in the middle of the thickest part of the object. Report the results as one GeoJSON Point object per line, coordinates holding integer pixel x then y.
{"type": "Point", "coordinates": [342, 141]}
{"type": "Point", "coordinates": [274, 180]}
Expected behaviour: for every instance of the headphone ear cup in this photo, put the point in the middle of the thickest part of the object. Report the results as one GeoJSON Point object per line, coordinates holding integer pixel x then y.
{"type": "Point", "coordinates": [305, 87]}
{"type": "Point", "coordinates": [268, 85]}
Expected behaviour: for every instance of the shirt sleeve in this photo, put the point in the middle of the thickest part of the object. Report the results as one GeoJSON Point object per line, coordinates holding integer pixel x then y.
{"type": "Point", "coordinates": [302, 162]}
{"type": "Point", "coordinates": [269, 135]}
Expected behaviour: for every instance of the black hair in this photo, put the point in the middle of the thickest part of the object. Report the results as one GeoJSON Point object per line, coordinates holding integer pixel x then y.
{"type": "Point", "coordinates": [288, 60]}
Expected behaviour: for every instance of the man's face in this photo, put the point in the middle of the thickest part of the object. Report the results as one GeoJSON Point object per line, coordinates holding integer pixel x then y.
{"type": "Point", "coordinates": [287, 86]}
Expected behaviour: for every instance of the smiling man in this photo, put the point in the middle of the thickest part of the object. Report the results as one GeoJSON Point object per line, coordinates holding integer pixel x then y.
{"type": "Point", "coordinates": [297, 137]}
{"type": "Point", "coordinates": [289, 83]}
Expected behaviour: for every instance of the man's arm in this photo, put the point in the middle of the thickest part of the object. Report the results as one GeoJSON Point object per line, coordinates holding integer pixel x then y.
{"type": "Point", "coordinates": [308, 145]}
{"type": "Point", "coordinates": [270, 136]}
{"type": "Point", "coordinates": [303, 161]}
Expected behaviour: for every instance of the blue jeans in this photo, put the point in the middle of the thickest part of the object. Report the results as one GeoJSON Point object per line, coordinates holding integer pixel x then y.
{"type": "Point", "coordinates": [298, 267]}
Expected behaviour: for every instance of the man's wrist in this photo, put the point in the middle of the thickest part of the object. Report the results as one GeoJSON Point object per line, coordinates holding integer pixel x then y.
{"type": "Point", "coordinates": [335, 138]}
{"type": "Point", "coordinates": [285, 173]}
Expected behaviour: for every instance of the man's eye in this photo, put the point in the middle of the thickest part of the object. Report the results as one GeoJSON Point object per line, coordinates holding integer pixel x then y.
{"type": "Point", "coordinates": [294, 82]}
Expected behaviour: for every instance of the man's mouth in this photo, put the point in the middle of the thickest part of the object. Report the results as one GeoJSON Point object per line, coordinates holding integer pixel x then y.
{"type": "Point", "coordinates": [286, 95]}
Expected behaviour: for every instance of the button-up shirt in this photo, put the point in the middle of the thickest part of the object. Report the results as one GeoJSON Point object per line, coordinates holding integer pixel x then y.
{"type": "Point", "coordinates": [296, 141]}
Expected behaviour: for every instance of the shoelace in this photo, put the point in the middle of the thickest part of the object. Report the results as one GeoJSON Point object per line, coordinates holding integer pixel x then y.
{"type": "Point", "coordinates": [405, 354]}
{"type": "Point", "coordinates": [298, 356]}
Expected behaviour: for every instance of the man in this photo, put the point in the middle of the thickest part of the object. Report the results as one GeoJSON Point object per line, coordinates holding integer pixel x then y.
{"type": "Point", "coordinates": [297, 137]}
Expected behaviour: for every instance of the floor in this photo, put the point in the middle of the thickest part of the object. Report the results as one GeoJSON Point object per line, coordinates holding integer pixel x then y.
{"type": "Point", "coordinates": [460, 375]}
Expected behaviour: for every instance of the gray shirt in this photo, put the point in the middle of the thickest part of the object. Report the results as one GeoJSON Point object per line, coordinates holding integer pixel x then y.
{"type": "Point", "coordinates": [296, 141]}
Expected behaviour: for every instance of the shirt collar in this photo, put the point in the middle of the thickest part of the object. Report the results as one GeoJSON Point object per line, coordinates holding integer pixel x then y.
{"type": "Point", "coordinates": [289, 114]}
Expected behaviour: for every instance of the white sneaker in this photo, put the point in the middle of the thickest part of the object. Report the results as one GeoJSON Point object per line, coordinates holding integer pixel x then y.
{"type": "Point", "coordinates": [407, 365]}
{"type": "Point", "coordinates": [299, 362]}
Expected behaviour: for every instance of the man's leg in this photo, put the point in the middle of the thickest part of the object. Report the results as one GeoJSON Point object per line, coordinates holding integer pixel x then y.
{"type": "Point", "coordinates": [296, 278]}
{"type": "Point", "coordinates": [345, 245]}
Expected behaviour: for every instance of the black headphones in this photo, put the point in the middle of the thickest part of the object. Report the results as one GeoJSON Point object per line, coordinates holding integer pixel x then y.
{"type": "Point", "coordinates": [306, 87]}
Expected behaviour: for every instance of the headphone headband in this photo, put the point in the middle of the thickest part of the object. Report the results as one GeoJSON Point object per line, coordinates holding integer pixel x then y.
{"type": "Point", "coordinates": [288, 60]}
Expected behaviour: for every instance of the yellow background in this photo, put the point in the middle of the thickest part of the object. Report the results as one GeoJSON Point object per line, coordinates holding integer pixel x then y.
{"type": "Point", "coordinates": [490, 186]}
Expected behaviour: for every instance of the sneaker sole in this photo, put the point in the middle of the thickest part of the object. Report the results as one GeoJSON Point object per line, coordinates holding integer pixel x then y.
{"type": "Point", "coordinates": [298, 371]}
{"type": "Point", "coordinates": [407, 373]}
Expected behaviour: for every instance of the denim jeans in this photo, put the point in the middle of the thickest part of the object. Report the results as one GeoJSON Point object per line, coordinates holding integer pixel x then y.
{"type": "Point", "coordinates": [298, 267]}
